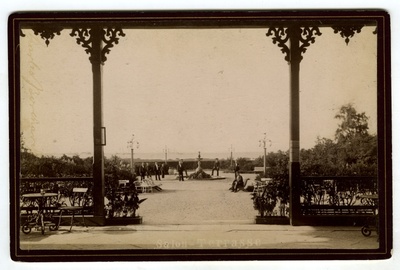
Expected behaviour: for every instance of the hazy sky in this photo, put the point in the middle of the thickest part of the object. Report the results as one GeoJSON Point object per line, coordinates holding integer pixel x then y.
{"type": "Point", "coordinates": [191, 90]}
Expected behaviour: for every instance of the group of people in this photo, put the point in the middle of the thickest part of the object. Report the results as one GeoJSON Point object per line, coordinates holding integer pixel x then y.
{"type": "Point", "coordinates": [146, 171]}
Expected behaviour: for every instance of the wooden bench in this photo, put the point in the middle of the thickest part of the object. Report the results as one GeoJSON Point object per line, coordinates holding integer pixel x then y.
{"type": "Point", "coordinates": [147, 185]}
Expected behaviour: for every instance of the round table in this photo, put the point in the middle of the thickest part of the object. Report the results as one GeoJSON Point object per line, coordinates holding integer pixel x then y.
{"type": "Point", "coordinates": [37, 219]}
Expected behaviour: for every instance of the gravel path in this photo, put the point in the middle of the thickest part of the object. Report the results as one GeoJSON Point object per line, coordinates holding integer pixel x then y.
{"type": "Point", "coordinates": [197, 202]}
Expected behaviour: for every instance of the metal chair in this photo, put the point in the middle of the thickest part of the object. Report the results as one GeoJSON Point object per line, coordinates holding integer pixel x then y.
{"type": "Point", "coordinates": [77, 202]}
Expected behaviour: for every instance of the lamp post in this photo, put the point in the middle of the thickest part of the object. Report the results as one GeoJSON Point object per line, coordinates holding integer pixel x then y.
{"type": "Point", "coordinates": [263, 143]}
{"type": "Point", "coordinates": [131, 144]}
{"type": "Point", "coordinates": [165, 153]}
{"type": "Point", "coordinates": [231, 149]}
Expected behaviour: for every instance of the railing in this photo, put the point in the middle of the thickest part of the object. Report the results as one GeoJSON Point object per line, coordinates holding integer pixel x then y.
{"type": "Point", "coordinates": [320, 197]}
{"type": "Point", "coordinates": [337, 195]}
{"type": "Point", "coordinates": [61, 185]}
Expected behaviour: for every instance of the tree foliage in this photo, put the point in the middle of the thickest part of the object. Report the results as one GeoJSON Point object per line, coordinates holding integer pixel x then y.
{"type": "Point", "coordinates": [352, 124]}
{"type": "Point", "coordinates": [352, 152]}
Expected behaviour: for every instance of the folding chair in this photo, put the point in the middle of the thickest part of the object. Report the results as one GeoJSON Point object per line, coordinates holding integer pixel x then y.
{"type": "Point", "coordinates": [78, 201]}
{"type": "Point", "coordinates": [148, 186]}
{"type": "Point", "coordinates": [142, 186]}
{"type": "Point", "coordinates": [152, 184]}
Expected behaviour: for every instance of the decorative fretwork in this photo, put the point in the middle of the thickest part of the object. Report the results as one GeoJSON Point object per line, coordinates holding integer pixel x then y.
{"type": "Point", "coordinates": [47, 32]}
{"type": "Point", "coordinates": [280, 37]}
{"type": "Point", "coordinates": [336, 195]}
{"type": "Point", "coordinates": [305, 36]}
{"type": "Point", "coordinates": [347, 32]}
{"type": "Point", "coordinates": [84, 37]}
{"type": "Point", "coordinates": [109, 38]}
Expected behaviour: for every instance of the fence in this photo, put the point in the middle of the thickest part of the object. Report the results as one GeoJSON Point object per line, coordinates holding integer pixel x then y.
{"type": "Point", "coordinates": [337, 200]}
{"type": "Point", "coordinates": [323, 200]}
{"type": "Point", "coordinates": [60, 185]}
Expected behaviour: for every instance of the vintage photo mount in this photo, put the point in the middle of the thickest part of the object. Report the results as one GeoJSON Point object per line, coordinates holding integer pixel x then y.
{"type": "Point", "coordinates": [49, 24]}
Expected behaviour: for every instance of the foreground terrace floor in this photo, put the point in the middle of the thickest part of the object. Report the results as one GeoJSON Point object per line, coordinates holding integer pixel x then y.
{"type": "Point", "coordinates": [221, 236]}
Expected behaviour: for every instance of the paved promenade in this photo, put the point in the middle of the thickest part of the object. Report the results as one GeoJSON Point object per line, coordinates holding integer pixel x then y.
{"type": "Point", "coordinates": [197, 214]}
{"type": "Point", "coordinates": [219, 236]}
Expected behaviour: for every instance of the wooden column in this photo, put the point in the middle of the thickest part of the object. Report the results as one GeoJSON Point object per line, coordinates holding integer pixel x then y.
{"type": "Point", "coordinates": [294, 145]}
{"type": "Point", "coordinates": [93, 40]}
{"type": "Point", "coordinates": [98, 155]}
{"type": "Point", "coordinates": [299, 38]}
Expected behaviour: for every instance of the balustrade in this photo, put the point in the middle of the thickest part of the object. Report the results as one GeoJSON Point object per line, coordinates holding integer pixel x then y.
{"type": "Point", "coordinates": [61, 185]}
{"type": "Point", "coordinates": [337, 195]}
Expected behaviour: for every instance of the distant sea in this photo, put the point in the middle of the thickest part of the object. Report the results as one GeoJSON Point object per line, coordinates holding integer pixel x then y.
{"type": "Point", "coordinates": [170, 156]}
{"type": "Point", "coordinates": [189, 156]}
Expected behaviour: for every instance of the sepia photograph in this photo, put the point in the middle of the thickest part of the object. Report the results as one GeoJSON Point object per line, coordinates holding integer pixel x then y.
{"type": "Point", "coordinates": [200, 135]}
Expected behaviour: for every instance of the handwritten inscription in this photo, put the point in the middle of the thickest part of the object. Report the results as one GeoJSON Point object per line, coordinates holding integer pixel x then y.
{"type": "Point", "coordinates": [32, 85]}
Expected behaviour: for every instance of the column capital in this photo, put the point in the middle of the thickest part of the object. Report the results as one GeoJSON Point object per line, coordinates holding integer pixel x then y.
{"type": "Point", "coordinates": [304, 36]}
{"type": "Point", "coordinates": [86, 36]}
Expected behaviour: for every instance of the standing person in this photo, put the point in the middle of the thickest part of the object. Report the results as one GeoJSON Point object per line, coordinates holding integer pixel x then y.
{"type": "Point", "coordinates": [216, 167]}
{"type": "Point", "coordinates": [162, 170]}
{"type": "Point", "coordinates": [142, 171]}
{"type": "Point", "coordinates": [181, 168]}
{"type": "Point", "coordinates": [237, 168]}
{"type": "Point", "coordinates": [148, 170]}
{"type": "Point", "coordinates": [157, 170]}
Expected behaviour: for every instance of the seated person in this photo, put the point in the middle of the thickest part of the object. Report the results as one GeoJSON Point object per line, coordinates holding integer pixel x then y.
{"type": "Point", "coordinates": [238, 183]}
{"type": "Point", "coordinates": [249, 185]}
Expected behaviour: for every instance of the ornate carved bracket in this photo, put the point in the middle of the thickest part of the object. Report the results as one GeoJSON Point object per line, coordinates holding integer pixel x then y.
{"type": "Point", "coordinates": [110, 37]}
{"type": "Point", "coordinates": [85, 37]}
{"type": "Point", "coordinates": [347, 32]}
{"type": "Point", "coordinates": [280, 37]}
{"type": "Point", "coordinates": [47, 32]}
{"type": "Point", "coordinates": [305, 36]}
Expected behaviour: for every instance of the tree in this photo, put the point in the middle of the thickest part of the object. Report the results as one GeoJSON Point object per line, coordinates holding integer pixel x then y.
{"type": "Point", "coordinates": [357, 149]}
{"type": "Point", "coordinates": [352, 124]}
{"type": "Point", "coordinates": [45, 166]}
{"type": "Point", "coordinates": [353, 151]}
{"type": "Point", "coordinates": [114, 170]}
{"type": "Point", "coordinates": [322, 159]}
